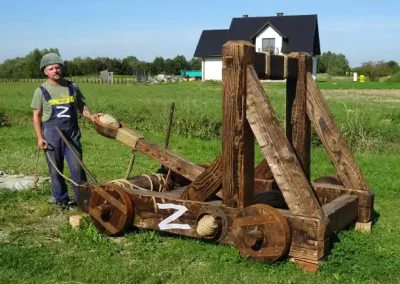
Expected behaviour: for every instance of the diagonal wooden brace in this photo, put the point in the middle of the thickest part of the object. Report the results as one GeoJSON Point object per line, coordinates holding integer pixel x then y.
{"type": "Point", "coordinates": [278, 152]}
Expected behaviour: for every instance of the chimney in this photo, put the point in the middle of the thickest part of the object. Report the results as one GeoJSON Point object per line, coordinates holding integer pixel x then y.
{"type": "Point", "coordinates": [245, 15]}
{"type": "Point", "coordinates": [280, 14]}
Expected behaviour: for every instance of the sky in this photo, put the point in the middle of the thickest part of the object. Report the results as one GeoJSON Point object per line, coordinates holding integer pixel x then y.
{"type": "Point", "coordinates": [362, 31]}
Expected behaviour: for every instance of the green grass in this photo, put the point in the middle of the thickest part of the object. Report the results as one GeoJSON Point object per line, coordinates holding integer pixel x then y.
{"type": "Point", "coordinates": [37, 244]}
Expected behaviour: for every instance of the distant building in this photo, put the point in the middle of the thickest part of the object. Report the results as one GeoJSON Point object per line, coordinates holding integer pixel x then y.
{"type": "Point", "coordinates": [277, 35]}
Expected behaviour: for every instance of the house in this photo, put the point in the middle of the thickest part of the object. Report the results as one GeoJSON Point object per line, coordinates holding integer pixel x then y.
{"type": "Point", "coordinates": [277, 35]}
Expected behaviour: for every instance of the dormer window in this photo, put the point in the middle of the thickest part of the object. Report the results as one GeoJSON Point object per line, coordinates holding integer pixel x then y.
{"type": "Point", "coordinates": [268, 45]}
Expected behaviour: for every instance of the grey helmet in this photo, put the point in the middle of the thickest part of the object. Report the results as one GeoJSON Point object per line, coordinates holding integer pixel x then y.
{"type": "Point", "coordinates": [50, 59]}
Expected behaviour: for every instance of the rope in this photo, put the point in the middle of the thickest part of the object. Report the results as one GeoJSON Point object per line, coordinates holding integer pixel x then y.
{"type": "Point", "coordinates": [207, 226]}
{"type": "Point", "coordinates": [127, 183]}
{"type": "Point", "coordinates": [151, 182]}
{"type": "Point", "coordinates": [35, 171]}
{"type": "Point", "coordinates": [60, 173]}
{"type": "Point", "coordinates": [128, 137]}
{"type": "Point", "coordinates": [130, 165]}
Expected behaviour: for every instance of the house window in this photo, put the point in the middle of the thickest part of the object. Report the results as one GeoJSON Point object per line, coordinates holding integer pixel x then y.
{"type": "Point", "coordinates": [268, 45]}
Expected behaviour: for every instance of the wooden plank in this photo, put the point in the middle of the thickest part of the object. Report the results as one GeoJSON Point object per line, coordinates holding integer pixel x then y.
{"type": "Point", "coordinates": [328, 192]}
{"type": "Point", "coordinates": [262, 185]}
{"type": "Point", "coordinates": [341, 212]}
{"type": "Point", "coordinates": [237, 137]}
{"type": "Point", "coordinates": [311, 250]}
{"type": "Point", "coordinates": [298, 125]}
{"type": "Point", "coordinates": [278, 152]}
{"type": "Point", "coordinates": [207, 184]}
{"type": "Point", "coordinates": [337, 148]}
{"type": "Point", "coordinates": [149, 214]}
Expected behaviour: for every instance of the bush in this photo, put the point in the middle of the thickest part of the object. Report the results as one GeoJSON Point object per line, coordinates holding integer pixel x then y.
{"type": "Point", "coordinates": [395, 78]}
{"type": "Point", "coordinates": [375, 70]}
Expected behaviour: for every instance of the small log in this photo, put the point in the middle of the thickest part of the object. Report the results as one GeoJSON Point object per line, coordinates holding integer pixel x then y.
{"type": "Point", "coordinates": [207, 184]}
{"type": "Point", "coordinates": [253, 237]}
{"type": "Point", "coordinates": [278, 152]}
{"type": "Point", "coordinates": [76, 221]}
{"type": "Point", "coordinates": [335, 145]}
{"type": "Point", "coordinates": [364, 227]}
{"type": "Point", "coordinates": [237, 137]}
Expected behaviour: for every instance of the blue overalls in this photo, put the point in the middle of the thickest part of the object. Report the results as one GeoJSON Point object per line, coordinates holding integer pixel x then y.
{"type": "Point", "coordinates": [64, 116]}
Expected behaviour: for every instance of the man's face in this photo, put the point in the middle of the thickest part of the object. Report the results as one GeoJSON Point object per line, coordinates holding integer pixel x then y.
{"type": "Point", "coordinates": [54, 72]}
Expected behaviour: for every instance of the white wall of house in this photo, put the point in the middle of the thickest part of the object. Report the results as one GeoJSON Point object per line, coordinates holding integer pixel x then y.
{"type": "Point", "coordinates": [269, 32]}
{"type": "Point", "coordinates": [212, 68]}
{"type": "Point", "coordinates": [314, 67]}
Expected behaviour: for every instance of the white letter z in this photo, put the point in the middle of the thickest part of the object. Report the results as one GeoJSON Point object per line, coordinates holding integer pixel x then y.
{"type": "Point", "coordinates": [165, 224]}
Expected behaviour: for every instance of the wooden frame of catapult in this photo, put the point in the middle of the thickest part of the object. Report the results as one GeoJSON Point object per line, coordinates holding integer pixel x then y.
{"type": "Point", "coordinates": [215, 201]}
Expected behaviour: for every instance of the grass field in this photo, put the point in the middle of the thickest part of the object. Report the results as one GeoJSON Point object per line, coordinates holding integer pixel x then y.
{"type": "Point", "coordinates": [37, 244]}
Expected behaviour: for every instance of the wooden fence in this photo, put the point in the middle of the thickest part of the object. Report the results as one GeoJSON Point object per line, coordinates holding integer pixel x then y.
{"type": "Point", "coordinates": [73, 79]}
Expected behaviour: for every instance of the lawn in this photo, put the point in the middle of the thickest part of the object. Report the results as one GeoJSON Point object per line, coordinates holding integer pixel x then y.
{"type": "Point", "coordinates": [37, 244]}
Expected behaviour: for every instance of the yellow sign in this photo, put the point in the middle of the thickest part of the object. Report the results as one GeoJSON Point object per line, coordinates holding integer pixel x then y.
{"type": "Point", "coordinates": [362, 79]}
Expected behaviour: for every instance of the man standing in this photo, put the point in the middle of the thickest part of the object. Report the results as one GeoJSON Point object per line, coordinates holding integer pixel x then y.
{"type": "Point", "coordinates": [57, 103]}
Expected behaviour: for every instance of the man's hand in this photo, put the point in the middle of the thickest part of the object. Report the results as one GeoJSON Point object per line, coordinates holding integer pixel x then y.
{"type": "Point", "coordinates": [42, 144]}
{"type": "Point", "coordinates": [96, 115]}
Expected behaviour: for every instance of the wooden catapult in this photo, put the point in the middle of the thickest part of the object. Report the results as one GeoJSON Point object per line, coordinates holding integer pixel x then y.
{"type": "Point", "coordinates": [215, 201]}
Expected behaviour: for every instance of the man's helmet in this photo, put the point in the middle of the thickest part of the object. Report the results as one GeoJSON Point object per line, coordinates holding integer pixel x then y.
{"type": "Point", "coordinates": [50, 59]}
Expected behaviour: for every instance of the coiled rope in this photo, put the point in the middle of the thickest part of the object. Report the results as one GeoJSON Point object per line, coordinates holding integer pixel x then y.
{"type": "Point", "coordinates": [126, 183]}
{"type": "Point", "coordinates": [207, 226]}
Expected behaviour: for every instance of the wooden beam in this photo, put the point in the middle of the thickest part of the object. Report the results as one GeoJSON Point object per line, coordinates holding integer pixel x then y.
{"type": "Point", "coordinates": [298, 125]}
{"type": "Point", "coordinates": [278, 152]}
{"type": "Point", "coordinates": [138, 142]}
{"type": "Point", "coordinates": [341, 212]}
{"type": "Point", "coordinates": [275, 67]}
{"type": "Point", "coordinates": [262, 171]}
{"type": "Point", "coordinates": [237, 137]}
{"type": "Point", "coordinates": [152, 208]}
{"type": "Point", "coordinates": [207, 184]}
{"type": "Point", "coordinates": [327, 193]}
{"type": "Point", "coordinates": [339, 151]}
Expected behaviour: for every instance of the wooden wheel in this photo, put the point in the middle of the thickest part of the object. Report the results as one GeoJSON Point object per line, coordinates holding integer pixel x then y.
{"type": "Point", "coordinates": [110, 209]}
{"type": "Point", "coordinates": [262, 233]}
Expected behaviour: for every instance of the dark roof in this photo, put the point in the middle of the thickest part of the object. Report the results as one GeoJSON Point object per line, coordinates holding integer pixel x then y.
{"type": "Point", "coordinates": [210, 43]}
{"type": "Point", "coordinates": [264, 27]}
{"type": "Point", "coordinates": [300, 34]}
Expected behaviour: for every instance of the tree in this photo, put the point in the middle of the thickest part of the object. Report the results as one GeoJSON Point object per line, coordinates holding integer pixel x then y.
{"type": "Point", "coordinates": [394, 66]}
{"type": "Point", "coordinates": [375, 70]}
{"type": "Point", "coordinates": [157, 67]}
{"type": "Point", "coordinates": [333, 64]}
{"type": "Point", "coordinates": [195, 64]}
{"type": "Point", "coordinates": [179, 63]}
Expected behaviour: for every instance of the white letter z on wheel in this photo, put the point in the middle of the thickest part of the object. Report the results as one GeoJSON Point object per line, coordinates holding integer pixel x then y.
{"type": "Point", "coordinates": [165, 224]}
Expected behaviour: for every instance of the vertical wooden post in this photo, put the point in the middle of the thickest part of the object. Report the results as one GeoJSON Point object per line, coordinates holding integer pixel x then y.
{"type": "Point", "coordinates": [298, 125]}
{"type": "Point", "coordinates": [237, 136]}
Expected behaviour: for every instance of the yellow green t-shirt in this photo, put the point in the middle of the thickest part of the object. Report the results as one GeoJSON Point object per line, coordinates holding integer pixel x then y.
{"type": "Point", "coordinates": [56, 92]}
